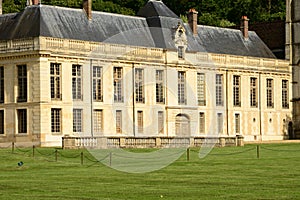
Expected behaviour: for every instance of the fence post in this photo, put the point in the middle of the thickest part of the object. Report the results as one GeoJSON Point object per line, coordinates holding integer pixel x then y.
{"type": "Point", "coordinates": [13, 147]}
{"type": "Point", "coordinates": [188, 154]}
{"type": "Point", "coordinates": [33, 147]}
{"type": "Point", "coordinates": [257, 151]}
{"type": "Point", "coordinates": [81, 156]}
{"type": "Point", "coordinates": [56, 155]}
{"type": "Point", "coordinates": [110, 158]}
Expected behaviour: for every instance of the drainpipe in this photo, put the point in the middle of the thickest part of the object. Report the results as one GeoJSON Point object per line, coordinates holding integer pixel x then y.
{"type": "Point", "coordinates": [133, 100]}
{"type": "Point", "coordinates": [226, 104]}
{"type": "Point", "coordinates": [91, 96]}
{"type": "Point", "coordinates": [259, 107]}
{"type": "Point", "coordinates": [166, 92]}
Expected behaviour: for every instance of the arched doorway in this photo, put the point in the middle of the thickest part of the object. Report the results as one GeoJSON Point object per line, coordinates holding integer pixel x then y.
{"type": "Point", "coordinates": [290, 130]}
{"type": "Point", "coordinates": [182, 123]}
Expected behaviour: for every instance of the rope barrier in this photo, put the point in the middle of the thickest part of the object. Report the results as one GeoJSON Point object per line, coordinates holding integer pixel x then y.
{"type": "Point", "coordinates": [278, 150]}
{"type": "Point", "coordinates": [235, 153]}
{"type": "Point", "coordinates": [73, 156]}
{"type": "Point", "coordinates": [44, 154]}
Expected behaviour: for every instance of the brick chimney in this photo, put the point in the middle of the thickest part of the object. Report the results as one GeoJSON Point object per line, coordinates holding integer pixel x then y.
{"type": "Point", "coordinates": [87, 7]}
{"type": "Point", "coordinates": [33, 2]}
{"type": "Point", "coordinates": [192, 19]}
{"type": "Point", "coordinates": [244, 26]}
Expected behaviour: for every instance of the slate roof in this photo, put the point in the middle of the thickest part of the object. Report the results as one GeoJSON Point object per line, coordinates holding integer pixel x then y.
{"type": "Point", "coordinates": [153, 28]}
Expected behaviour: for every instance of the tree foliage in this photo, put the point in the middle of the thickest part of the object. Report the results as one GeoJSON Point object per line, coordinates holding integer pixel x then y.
{"type": "Point", "coordinates": [211, 12]}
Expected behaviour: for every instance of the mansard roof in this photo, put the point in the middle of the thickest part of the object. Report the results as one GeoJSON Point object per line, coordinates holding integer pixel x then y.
{"type": "Point", "coordinates": [154, 29]}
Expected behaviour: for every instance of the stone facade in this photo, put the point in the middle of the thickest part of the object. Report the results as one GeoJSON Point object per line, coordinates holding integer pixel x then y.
{"type": "Point", "coordinates": [255, 122]}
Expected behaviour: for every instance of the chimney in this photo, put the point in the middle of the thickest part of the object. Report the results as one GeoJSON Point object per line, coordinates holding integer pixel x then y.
{"type": "Point", "coordinates": [192, 19]}
{"type": "Point", "coordinates": [244, 26]}
{"type": "Point", "coordinates": [33, 2]}
{"type": "Point", "coordinates": [87, 7]}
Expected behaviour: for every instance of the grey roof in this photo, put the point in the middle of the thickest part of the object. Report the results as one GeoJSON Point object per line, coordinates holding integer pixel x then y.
{"type": "Point", "coordinates": [156, 8]}
{"type": "Point", "coordinates": [155, 29]}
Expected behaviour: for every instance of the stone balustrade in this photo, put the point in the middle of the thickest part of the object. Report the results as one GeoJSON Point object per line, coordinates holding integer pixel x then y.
{"type": "Point", "coordinates": [148, 142]}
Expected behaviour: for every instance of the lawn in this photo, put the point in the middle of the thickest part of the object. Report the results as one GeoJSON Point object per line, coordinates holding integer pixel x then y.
{"type": "Point", "coordinates": [226, 173]}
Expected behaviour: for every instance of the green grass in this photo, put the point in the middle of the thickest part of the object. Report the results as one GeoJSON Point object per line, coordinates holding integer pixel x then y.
{"type": "Point", "coordinates": [226, 173]}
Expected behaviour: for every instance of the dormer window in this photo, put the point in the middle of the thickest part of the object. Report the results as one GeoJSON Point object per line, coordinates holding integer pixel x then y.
{"type": "Point", "coordinates": [181, 52]}
{"type": "Point", "coordinates": [180, 40]}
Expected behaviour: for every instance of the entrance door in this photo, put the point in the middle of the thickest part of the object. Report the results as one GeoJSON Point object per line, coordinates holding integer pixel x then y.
{"type": "Point", "coordinates": [182, 125]}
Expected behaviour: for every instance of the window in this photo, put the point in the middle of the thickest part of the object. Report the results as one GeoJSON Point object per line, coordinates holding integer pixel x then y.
{"type": "Point", "coordinates": [236, 91]}
{"type": "Point", "coordinates": [118, 86]}
{"type": "Point", "coordinates": [139, 85]}
{"type": "Point", "coordinates": [55, 120]}
{"type": "Point", "coordinates": [201, 89]}
{"type": "Point", "coordinates": [219, 89]}
{"type": "Point", "coordinates": [270, 102]}
{"type": "Point", "coordinates": [220, 123]}
{"type": "Point", "coordinates": [22, 120]}
{"type": "Point", "coordinates": [98, 121]}
{"type": "Point", "coordinates": [1, 122]}
{"type": "Point", "coordinates": [181, 52]}
{"type": "Point", "coordinates": [97, 83]}
{"type": "Point", "coordinates": [237, 124]}
{"type": "Point", "coordinates": [22, 83]}
{"type": "Point", "coordinates": [285, 94]}
{"type": "Point", "coordinates": [76, 82]}
{"type": "Point", "coordinates": [119, 121]}
{"type": "Point", "coordinates": [253, 92]}
{"type": "Point", "coordinates": [181, 88]}
{"type": "Point", "coordinates": [77, 120]}
{"type": "Point", "coordinates": [160, 86]}
{"type": "Point", "coordinates": [160, 121]}
{"type": "Point", "coordinates": [1, 84]}
{"type": "Point", "coordinates": [140, 121]}
{"type": "Point", "coordinates": [55, 83]}
{"type": "Point", "coordinates": [201, 122]}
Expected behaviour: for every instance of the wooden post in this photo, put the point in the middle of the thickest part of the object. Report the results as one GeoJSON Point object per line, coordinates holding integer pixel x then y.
{"type": "Point", "coordinates": [257, 151]}
{"type": "Point", "coordinates": [81, 155]}
{"type": "Point", "coordinates": [33, 147]}
{"type": "Point", "coordinates": [13, 147]}
{"type": "Point", "coordinates": [56, 155]}
{"type": "Point", "coordinates": [188, 154]}
{"type": "Point", "coordinates": [110, 159]}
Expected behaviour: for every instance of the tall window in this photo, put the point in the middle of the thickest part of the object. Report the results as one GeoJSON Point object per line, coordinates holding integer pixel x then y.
{"type": "Point", "coordinates": [139, 85]}
{"type": "Point", "coordinates": [77, 120]}
{"type": "Point", "coordinates": [1, 84]}
{"type": "Point", "coordinates": [22, 120]}
{"type": "Point", "coordinates": [285, 94]}
{"type": "Point", "coordinates": [118, 86]}
{"type": "Point", "coordinates": [253, 92]}
{"type": "Point", "coordinates": [55, 120]}
{"type": "Point", "coordinates": [22, 83]}
{"type": "Point", "coordinates": [160, 86]}
{"type": "Point", "coordinates": [219, 89]}
{"type": "Point", "coordinates": [98, 121]}
{"type": "Point", "coordinates": [237, 124]}
{"type": "Point", "coordinates": [1, 122]}
{"type": "Point", "coordinates": [236, 91]}
{"type": "Point", "coordinates": [181, 52]}
{"type": "Point", "coordinates": [181, 88]}
{"type": "Point", "coordinates": [201, 122]}
{"type": "Point", "coordinates": [55, 83]}
{"type": "Point", "coordinates": [270, 101]}
{"type": "Point", "coordinates": [201, 89]}
{"type": "Point", "coordinates": [119, 121]}
{"type": "Point", "coordinates": [220, 123]}
{"type": "Point", "coordinates": [140, 121]}
{"type": "Point", "coordinates": [76, 82]}
{"type": "Point", "coordinates": [160, 121]}
{"type": "Point", "coordinates": [97, 83]}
